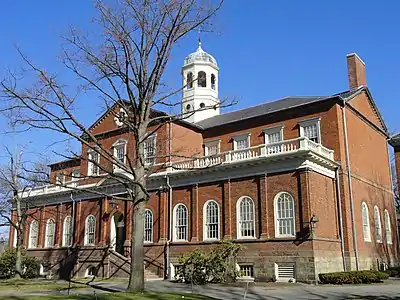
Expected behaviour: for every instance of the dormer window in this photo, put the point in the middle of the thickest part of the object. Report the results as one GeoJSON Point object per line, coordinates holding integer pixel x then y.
{"type": "Point", "coordinates": [150, 150]}
{"type": "Point", "coordinates": [241, 141]}
{"type": "Point", "coordinates": [212, 147]}
{"type": "Point", "coordinates": [93, 161]}
{"type": "Point", "coordinates": [311, 129]}
{"type": "Point", "coordinates": [274, 134]}
{"type": "Point", "coordinates": [120, 150]}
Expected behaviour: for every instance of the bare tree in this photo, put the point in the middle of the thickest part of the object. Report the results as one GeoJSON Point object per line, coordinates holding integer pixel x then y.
{"type": "Point", "coordinates": [123, 65]}
{"type": "Point", "coordinates": [15, 184]}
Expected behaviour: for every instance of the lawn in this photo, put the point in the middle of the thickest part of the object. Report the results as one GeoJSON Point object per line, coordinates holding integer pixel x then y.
{"type": "Point", "coordinates": [22, 285]}
{"type": "Point", "coordinates": [115, 296]}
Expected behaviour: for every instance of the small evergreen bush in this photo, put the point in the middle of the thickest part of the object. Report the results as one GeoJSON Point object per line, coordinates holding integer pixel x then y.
{"type": "Point", "coordinates": [393, 271]}
{"type": "Point", "coordinates": [30, 265]}
{"type": "Point", "coordinates": [217, 265]}
{"type": "Point", "coordinates": [353, 277]}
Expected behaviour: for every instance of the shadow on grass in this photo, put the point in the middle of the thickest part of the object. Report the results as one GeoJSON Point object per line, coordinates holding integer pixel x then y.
{"type": "Point", "coordinates": [114, 296]}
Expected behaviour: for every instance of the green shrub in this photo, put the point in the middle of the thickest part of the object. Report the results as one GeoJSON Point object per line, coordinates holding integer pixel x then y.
{"type": "Point", "coordinates": [30, 265]}
{"type": "Point", "coordinates": [217, 265]}
{"type": "Point", "coordinates": [353, 277]}
{"type": "Point", "coordinates": [393, 271]}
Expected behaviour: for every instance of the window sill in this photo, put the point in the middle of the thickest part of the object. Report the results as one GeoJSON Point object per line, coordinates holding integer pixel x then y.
{"type": "Point", "coordinates": [367, 241]}
{"type": "Point", "coordinates": [211, 240]}
{"type": "Point", "coordinates": [251, 238]}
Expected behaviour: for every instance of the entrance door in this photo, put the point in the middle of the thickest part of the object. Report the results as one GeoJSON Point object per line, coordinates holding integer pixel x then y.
{"type": "Point", "coordinates": [117, 233]}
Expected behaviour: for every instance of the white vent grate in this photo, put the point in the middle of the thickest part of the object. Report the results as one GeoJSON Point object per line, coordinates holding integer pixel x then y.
{"type": "Point", "coordinates": [285, 272]}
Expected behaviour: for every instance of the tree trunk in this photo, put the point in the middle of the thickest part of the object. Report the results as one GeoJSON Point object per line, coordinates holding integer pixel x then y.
{"type": "Point", "coordinates": [136, 278]}
{"type": "Point", "coordinates": [18, 261]}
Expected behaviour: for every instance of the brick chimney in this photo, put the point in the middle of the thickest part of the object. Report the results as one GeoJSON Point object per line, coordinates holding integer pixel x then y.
{"type": "Point", "coordinates": [356, 71]}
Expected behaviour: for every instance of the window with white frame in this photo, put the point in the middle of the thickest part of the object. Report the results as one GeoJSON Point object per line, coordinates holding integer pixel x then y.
{"type": "Point", "coordinates": [241, 141]}
{"type": "Point", "coordinates": [246, 271]}
{"type": "Point", "coordinates": [67, 232]}
{"type": "Point", "coordinates": [180, 223]}
{"type": "Point", "coordinates": [212, 147]}
{"type": "Point", "coordinates": [120, 150]}
{"type": "Point", "coordinates": [388, 228]}
{"type": "Point", "coordinates": [33, 234]}
{"type": "Point", "coordinates": [93, 161]}
{"type": "Point", "coordinates": [365, 222]}
{"type": "Point", "coordinates": [75, 174]}
{"type": "Point", "coordinates": [211, 220]}
{"type": "Point", "coordinates": [311, 129]}
{"type": "Point", "coordinates": [90, 230]}
{"type": "Point", "coordinates": [378, 227]}
{"type": "Point", "coordinates": [50, 233]}
{"type": "Point", "coordinates": [273, 135]}
{"type": "Point", "coordinates": [284, 215]}
{"type": "Point", "coordinates": [150, 150]}
{"type": "Point", "coordinates": [60, 178]}
{"type": "Point", "coordinates": [148, 226]}
{"type": "Point", "coordinates": [245, 218]}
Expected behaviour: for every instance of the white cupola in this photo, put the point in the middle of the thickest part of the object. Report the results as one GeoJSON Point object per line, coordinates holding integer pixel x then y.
{"type": "Point", "coordinates": [200, 78]}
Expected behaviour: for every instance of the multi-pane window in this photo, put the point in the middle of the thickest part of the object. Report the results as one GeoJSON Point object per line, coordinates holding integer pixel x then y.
{"type": "Point", "coordinates": [378, 227]}
{"type": "Point", "coordinates": [90, 230]}
{"type": "Point", "coordinates": [284, 215]}
{"type": "Point", "coordinates": [211, 217]}
{"type": "Point", "coordinates": [120, 153]}
{"type": "Point", "coordinates": [388, 228]}
{"type": "Point", "coordinates": [94, 159]}
{"type": "Point", "coordinates": [33, 234]}
{"type": "Point", "coordinates": [365, 222]}
{"type": "Point", "coordinates": [273, 135]}
{"type": "Point", "coordinates": [311, 129]}
{"type": "Point", "coordinates": [311, 132]}
{"type": "Point", "coordinates": [50, 232]}
{"type": "Point", "coordinates": [150, 150]}
{"type": "Point", "coordinates": [241, 142]}
{"type": "Point", "coordinates": [67, 232]}
{"type": "Point", "coordinates": [148, 226]}
{"type": "Point", "coordinates": [245, 213]}
{"type": "Point", "coordinates": [59, 178]}
{"type": "Point", "coordinates": [212, 148]}
{"type": "Point", "coordinates": [181, 223]}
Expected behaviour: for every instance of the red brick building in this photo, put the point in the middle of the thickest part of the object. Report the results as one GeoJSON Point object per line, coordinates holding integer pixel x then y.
{"type": "Point", "coordinates": [303, 183]}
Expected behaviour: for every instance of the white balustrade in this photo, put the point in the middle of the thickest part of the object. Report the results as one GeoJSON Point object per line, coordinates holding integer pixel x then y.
{"type": "Point", "coordinates": [280, 148]}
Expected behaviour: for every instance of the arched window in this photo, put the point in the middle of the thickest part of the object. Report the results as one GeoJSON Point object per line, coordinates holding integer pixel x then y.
{"type": "Point", "coordinates": [189, 80]}
{"type": "Point", "coordinates": [50, 232]}
{"type": "Point", "coordinates": [91, 271]}
{"type": "Point", "coordinates": [245, 218]}
{"type": "Point", "coordinates": [213, 81]}
{"type": "Point", "coordinates": [90, 230]}
{"type": "Point", "coordinates": [67, 232]}
{"type": "Point", "coordinates": [284, 215]}
{"type": "Point", "coordinates": [378, 227]}
{"type": "Point", "coordinates": [148, 226]}
{"type": "Point", "coordinates": [33, 234]}
{"type": "Point", "coordinates": [180, 223]}
{"type": "Point", "coordinates": [201, 79]}
{"type": "Point", "coordinates": [365, 222]}
{"type": "Point", "coordinates": [388, 227]}
{"type": "Point", "coordinates": [211, 220]}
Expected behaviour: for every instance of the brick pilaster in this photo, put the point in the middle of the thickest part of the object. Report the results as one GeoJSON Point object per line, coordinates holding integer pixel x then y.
{"type": "Point", "coordinates": [227, 210]}
{"type": "Point", "coordinates": [194, 213]}
{"type": "Point", "coordinates": [263, 213]}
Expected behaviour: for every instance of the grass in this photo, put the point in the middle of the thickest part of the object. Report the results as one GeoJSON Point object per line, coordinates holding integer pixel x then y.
{"type": "Point", "coordinates": [36, 285]}
{"type": "Point", "coordinates": [114, 296]}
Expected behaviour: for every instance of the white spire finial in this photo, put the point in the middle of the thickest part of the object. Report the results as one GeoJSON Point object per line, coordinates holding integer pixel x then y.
{"type": "Point", "coordinates": [199, 40]}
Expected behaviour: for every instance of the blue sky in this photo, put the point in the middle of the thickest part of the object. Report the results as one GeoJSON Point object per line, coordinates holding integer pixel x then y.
{"type": "Point", "coordinates": [265, 49]}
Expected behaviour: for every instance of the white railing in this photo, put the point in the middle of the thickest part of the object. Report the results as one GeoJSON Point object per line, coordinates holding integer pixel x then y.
{"type": "Point", "coordinates": [281, 148]}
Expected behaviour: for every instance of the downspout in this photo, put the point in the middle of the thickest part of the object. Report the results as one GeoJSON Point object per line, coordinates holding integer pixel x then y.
{"type": "Point", "coordinates": [339, 200]}
{"type": "Point", "coordinates": [168, 267]}
{"type": "Point", "coordinates": [350, 186]}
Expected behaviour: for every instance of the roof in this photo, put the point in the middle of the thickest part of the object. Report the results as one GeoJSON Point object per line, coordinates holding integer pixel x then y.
{"type": "Point", "coordinates": [395, 140]}
{"type": "Point", "coordinates": [269, 108]}
{"type": "Point", "coordinates": [200, 56]}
